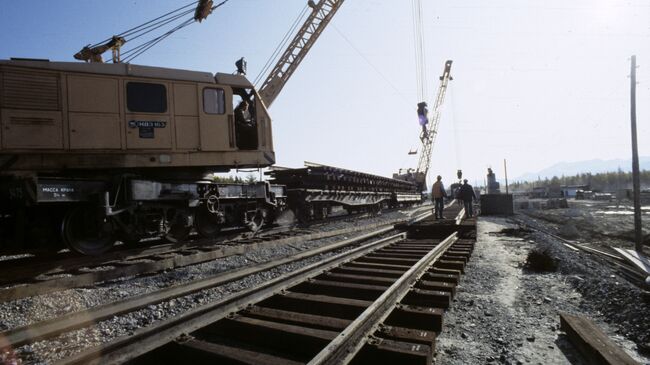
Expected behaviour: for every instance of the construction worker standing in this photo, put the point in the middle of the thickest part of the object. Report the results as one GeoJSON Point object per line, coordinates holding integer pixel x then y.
{"type": "Point", "coordinates": [438, 194]}
{"type": "Point", "coordinates": [467, 195]}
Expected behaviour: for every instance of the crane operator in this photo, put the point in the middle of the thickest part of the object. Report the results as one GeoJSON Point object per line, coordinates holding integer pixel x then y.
{"type": "Point", "coordinates": [245, 127]}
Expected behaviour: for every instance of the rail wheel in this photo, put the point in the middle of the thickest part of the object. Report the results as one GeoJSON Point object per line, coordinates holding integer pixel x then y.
{"type": "Point", "coordinates": [206, 223]}
{"type": "Point", "coordinates": [179, 228]}
{"type": "Point", "coordinates": [258, 220]}
{"type": "Point", "coordinates": [304, 213]}
{"type": "Point", "coordinates": [87, 231]}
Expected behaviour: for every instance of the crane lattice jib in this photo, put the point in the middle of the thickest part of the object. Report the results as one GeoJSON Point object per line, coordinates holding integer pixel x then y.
{"type": "Point", "coordinates": [316, 22]}
{"type": "Point", "coordinates": [432, 131]}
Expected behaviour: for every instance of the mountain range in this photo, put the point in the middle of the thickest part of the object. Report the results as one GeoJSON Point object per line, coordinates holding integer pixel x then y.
{"type": "Point", "coordinates": [592, 166]}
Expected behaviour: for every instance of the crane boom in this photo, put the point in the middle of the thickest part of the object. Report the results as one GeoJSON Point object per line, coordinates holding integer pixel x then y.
{"type": "Point", "coordinates": [316, 22]}
{"type": "Point", "coordinates": [427, 143]}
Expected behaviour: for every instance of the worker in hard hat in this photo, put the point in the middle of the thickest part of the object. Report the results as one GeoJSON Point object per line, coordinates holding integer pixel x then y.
{"type": "Point", "coordinates": [438, 195]}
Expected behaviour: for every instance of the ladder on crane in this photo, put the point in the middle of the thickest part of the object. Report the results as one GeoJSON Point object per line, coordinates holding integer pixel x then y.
{"type": "Point", "coordinates": [428, 137]}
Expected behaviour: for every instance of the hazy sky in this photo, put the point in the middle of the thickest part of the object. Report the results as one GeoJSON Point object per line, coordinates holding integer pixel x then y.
{"type": "Point", "coordinates": [535, 82]}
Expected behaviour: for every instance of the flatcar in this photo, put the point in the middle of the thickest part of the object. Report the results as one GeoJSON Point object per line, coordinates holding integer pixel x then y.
{"type": "Point", "coordinates": [313, 191]}
{"type": "Point", "coordinates": [94, 153]}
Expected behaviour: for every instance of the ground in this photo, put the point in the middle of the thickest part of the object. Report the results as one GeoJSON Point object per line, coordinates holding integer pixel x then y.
{"type": "Point", "coordinates": [505, 313]}
{"type": "Point", "coordinates": [600, 223]}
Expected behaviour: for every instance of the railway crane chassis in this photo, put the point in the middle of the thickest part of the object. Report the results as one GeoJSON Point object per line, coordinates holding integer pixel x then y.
{"type": "Point", "coordinates": [90, 214]}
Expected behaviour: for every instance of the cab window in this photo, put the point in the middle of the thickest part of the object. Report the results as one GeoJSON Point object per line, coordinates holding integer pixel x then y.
{"type": "Point", "coordinates": [214, 101]}
{"type": "Point", "coordinates": [143, 97]}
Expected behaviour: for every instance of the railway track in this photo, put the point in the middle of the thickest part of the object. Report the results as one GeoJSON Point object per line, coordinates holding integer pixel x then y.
{"type": "Point", "coordinates": [55, 326]}
{"type": "Point", "coordinates": [83, 272]}
{"type": "Point", "coordinates": [27, 278]}
{"type": "Point", "coordinates": [382, 299]}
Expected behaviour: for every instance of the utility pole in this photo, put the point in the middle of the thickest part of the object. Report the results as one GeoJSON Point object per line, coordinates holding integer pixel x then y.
{"type": "Point", "coordinates": [505, 170]}
{"type": "Point", "coordinates": [636, 181]}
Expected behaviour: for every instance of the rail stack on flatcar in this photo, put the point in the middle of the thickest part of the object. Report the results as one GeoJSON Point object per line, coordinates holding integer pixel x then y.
{"type": "Point", "coordinates": [92, 153]}
{"type": "Point", "coordinates": [314, 190]}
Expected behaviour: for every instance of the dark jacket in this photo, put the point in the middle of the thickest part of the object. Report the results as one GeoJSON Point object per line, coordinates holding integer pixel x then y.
{"type": "Point", "coordinates": [466, 192]}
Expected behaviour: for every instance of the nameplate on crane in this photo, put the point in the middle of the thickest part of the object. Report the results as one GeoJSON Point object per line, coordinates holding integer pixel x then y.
{"type": "Point", "coordinates": [146, 128]}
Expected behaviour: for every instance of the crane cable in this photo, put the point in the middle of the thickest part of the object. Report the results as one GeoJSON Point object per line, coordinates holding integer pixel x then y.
{"type": "Point", "coordinates": [156, 24]}
{"type": "Point", "coordinates": [420, 51]}
{"type": "Point", "coordinates": [146, 25]}
{"type": "Point", "coordinates": [282, 45]}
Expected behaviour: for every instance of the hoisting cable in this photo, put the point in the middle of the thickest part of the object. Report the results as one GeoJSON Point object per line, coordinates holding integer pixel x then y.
{"type": "Point", "coordinates": [147, 45]}
{"type": "Point", "coordinates": [420, 50]}
{"type": "Point", "coordinates": [454, 123]}
{"type": "Point", "coordinates": [200, 8]}
{"type": "Point", "coordinates": [281, 46]}
{"type": "Point", "coordinates": [137, 28]}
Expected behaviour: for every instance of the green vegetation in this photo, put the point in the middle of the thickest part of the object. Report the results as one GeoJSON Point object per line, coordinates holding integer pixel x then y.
{"type": "Point", "coordinates": [607, 181]}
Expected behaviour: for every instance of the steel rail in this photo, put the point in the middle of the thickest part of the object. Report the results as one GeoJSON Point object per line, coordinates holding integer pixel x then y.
{"type": "Point", "coordinates": [49, 328]}
{"type": "Point", "coordinates": [343, 348]}
{"type": "Point", "coordinates": [163, 261]}
{"type": "Point", "coordinates": [150, 338]}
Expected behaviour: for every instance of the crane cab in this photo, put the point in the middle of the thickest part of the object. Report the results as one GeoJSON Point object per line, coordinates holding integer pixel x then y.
{"type": "Point", "coordinates": [61, 116]}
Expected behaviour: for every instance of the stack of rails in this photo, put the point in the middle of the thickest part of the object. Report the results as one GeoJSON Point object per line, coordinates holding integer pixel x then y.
{"type": "Point", "coordinates": [312, 191]}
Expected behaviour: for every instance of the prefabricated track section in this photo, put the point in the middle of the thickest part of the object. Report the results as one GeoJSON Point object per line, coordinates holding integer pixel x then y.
{"type": "Point", "coordinates": [314, 190]}
{"type": "Point", "coordinates": [381, 302]}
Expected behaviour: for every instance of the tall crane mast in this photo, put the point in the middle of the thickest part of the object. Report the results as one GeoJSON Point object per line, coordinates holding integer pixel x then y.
{"type": "Point", "coordinates": [321, 14]}
{"type": "Point", "coordinates": [429, 137]}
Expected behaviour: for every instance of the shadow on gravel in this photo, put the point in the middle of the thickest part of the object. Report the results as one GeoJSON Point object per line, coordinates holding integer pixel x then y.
{"type": "Point", "coordinates": [569, 351]}
{"type": "Point", "coordinates": [539, 260]}
{"type": "Point", "coordinates": [520, 232]}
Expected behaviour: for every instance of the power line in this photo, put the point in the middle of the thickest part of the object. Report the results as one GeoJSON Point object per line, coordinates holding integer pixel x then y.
{"type": "Point", "coordinates": [370, 64]}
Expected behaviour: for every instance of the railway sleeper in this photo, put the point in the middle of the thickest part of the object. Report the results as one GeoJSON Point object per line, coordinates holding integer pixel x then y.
{"type": "Point", "coordinates": [417, 317]}
{"type": "Point", "coordinates": [387, 260]}
{"type": "Point", "coordinates": [404, 255]}
{"type": "Point", "coordinates": [398, 251]}
{"type": "Point", "coordinates": [360, 279]}
{"type": "Point", "coordinates": [323, 305]}
{"type": "Point", "coordinates": [439, 270]}
{"type": "Point", "coordinates": [342, 289]}
{"type": "Point", "coordinates": [437, 286]}
{"type": "Point", "coordinates": [444, 277]}
{"type": "Point", "coordinates": [304, 319]}
{"type": "Point", "coordinates": [375, 265]}
{"type": "Point", "coordinates": [452, 265]}
{"type": "Point", "coordinates": [268, 336]}
{"type": "Point", "coordinates": [198, 352]}
{"type": "Point", "coordinates": [406, 334]}
{"type": "Point", "coordinates": [463, 259]}
{"type": "Point", "coordinates": [369, 272]}
{"type": "Point", "coordinates": [428, 298]}
{"type": "Point", "coordinates": [384, 351]}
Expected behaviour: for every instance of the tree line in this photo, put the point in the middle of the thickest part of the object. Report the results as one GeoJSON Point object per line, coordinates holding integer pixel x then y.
{"type": "Point", "coordinates": [250, 178]}
{"type": "Point", "coordinates": [606, 181]}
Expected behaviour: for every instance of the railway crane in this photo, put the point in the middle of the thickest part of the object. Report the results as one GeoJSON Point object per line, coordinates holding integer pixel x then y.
{"type": "Point", "coordinates": [92, 153]}
{"type": "Point", "coordinates": [428, 134]}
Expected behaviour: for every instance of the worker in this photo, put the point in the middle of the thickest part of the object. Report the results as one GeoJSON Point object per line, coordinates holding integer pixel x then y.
{"type": "Point", "coordinates": [423, 118]}
{"type": "Point", "coordinates": [438, 194]}
{"type": "Point", "coordinates": [245, 128]}
{"type": "Point", "coordinates": [467, 195]}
